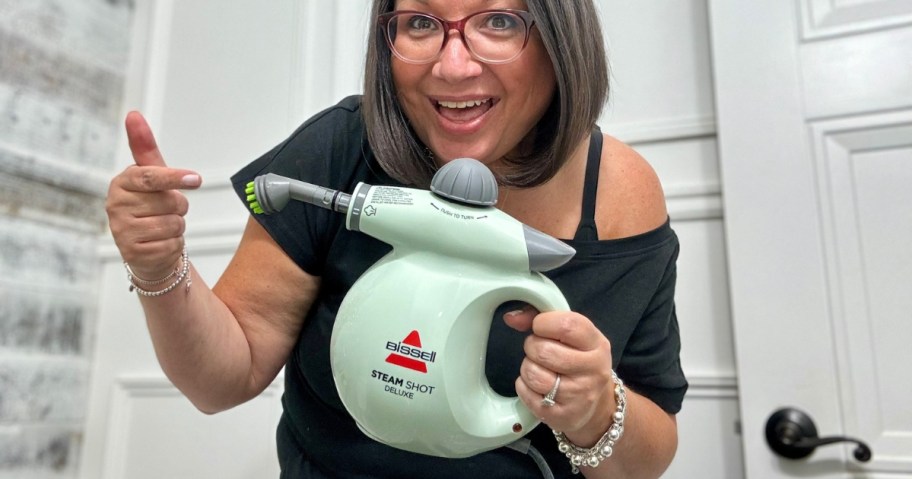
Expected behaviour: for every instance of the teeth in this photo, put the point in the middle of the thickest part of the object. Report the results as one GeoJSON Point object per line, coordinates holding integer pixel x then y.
{"type": "Point", "coordinates": [461, 104]}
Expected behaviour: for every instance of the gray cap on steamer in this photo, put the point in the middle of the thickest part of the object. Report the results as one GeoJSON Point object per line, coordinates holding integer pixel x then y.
{"type": "Point", "coordinates": [465, 180]}
{"type": "Point", "coordinates": [469, 181]}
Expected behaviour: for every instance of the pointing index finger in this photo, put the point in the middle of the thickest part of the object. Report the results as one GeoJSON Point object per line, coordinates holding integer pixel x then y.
{"type": "Point", "coordinates": [151, 179]}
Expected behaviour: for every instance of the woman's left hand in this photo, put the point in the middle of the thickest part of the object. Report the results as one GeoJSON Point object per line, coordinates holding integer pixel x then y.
{"type": "Point", "coordinates": [568, 344]}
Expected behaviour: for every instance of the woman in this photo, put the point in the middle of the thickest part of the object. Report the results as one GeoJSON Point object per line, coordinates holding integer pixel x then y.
{"type": "Point", "coordinates": [518, 88]}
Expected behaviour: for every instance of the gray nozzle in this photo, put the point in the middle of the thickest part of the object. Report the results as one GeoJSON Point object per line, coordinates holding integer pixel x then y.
{"type": "Point", "coordinates": [545, 252]}
{"type": "Point", "coordinates": [273, 192]}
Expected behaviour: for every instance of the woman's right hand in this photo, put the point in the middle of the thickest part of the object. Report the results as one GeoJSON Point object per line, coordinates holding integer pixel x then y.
{"type": "Point", "coordinates": [145, 207]}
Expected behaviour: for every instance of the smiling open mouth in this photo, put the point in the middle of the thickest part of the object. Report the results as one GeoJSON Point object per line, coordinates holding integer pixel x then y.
{"type": "Point", "coordinates": [462, 111]}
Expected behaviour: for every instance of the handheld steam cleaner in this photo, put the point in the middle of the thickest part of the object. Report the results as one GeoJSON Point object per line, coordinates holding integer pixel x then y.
{"type": "Point", "coordinates": [409, 341]}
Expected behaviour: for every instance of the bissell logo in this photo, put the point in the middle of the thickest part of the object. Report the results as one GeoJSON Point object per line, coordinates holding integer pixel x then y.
{"type": "Point", "coordinates": [408, 353]}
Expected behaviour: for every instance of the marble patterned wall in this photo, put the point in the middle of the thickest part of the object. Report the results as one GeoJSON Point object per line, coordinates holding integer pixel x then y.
{"type": "Point", "coordinates": [62, 67]}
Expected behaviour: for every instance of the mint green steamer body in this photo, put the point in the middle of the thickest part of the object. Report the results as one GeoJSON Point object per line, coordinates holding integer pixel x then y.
{"type": "Point", "coordinates": [409, 341]}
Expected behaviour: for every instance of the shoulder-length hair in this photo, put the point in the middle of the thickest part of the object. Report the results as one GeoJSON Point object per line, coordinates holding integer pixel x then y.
{"type": "Point", "coordinates": [572, 37]}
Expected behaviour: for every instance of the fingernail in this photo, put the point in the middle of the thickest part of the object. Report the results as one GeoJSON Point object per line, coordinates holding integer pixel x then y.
{"type": "Point", "coordinates": [191, 180]}
{"type": "Point", "coordinates": [514, 312]}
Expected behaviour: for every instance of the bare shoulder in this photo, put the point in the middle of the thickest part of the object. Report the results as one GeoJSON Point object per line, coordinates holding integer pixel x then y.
{"type": "Point", "coordinates": [630, 199]}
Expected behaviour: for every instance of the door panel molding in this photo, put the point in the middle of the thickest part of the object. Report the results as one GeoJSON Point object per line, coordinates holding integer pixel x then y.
{"type": "Point", "coordinates": [663, 129]}
{"type": "Point", "coordinates": [135, 396]}
{"type": "Point", "coordinates": [712, 386]}
{"type": "Point", "coordinates": [824, 19]}
{"type": "Point", "coordinates": [861, 216]}
{"type": "Point", "coordinates": [861, 74]}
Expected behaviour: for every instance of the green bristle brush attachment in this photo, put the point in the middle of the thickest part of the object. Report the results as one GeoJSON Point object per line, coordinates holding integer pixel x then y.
{"type": "Point", "coordinates": [252, 199]}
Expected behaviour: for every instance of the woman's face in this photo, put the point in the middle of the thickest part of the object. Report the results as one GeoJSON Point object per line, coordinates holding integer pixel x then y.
{"type": "Point", "coordinates": [462, 107]}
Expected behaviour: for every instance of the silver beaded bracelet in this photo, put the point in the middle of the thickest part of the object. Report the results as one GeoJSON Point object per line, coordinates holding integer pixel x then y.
{"type": "Point", "coordinates": [602, 449]}
{"type": "Point", "coordinates": [181, 272]}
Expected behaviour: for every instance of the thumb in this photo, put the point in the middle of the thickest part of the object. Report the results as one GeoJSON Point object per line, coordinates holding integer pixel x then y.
{"type": "Point", "coordinates": [521, 318]}
{"type": "Point", "coordinates": [146, 153]}
{"type": "Point", "coordinates": [142, 141]}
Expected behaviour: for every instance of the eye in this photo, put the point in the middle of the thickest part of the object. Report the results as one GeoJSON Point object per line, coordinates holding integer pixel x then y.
{"type": "Point", "coordinates": [501, 21]}
{"type": "Point", "coordinates": [421, 23]}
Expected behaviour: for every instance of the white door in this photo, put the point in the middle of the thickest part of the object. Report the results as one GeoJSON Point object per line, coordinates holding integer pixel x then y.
{"type": "Point", "coordinates": [815, 134]}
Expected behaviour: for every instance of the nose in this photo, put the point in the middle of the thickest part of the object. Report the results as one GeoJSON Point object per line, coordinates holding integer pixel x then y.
{"type": "Point", "coordinates": [456, 62]}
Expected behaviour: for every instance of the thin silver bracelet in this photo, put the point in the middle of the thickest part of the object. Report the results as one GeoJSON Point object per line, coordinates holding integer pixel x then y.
{"type": "Point", "coordinates": [134, 279]}
{"type": "Point", "coordinates": [182, 271]}
{"type": "Point", "coordinates": [602, 449]}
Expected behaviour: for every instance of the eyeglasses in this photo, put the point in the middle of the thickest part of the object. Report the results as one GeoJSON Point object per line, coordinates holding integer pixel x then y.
{"type": "Point", "coordinates": [491, 36]}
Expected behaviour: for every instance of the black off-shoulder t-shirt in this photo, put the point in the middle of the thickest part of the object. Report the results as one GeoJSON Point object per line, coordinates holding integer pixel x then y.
{"type": "Point", "coordinates": [625, 286]}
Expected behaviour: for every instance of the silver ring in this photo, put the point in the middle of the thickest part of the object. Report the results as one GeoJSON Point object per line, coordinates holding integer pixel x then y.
{"type": "Point", "coordinates": [548, 400]}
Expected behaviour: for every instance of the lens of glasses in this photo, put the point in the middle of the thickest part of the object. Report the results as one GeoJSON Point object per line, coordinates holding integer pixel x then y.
{"type": "Point", "coordinates": [492, 37]}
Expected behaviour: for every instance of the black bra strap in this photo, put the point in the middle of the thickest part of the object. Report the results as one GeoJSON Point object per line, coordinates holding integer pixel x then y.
{"type": "Point", "coordinates": [587, 230]}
